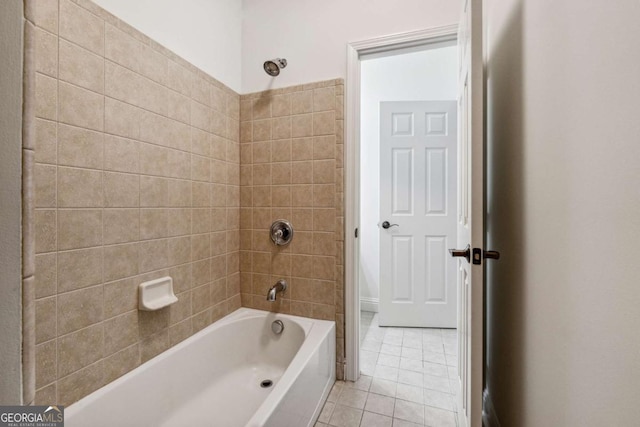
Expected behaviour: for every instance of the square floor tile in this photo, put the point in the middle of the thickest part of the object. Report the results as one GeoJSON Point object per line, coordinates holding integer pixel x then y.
{"type": "Point", "coordinates": [344, 416]}
{"type": "Point", "coordinates": [438, 399]}
{"type": "Point", "coordinates": [435, 339]}
{"type": "Point", "coordinates": [392, 339]}
{"type": "Point", "coordinates": [453, 387]}
{"type": "Point", "coordinates": [411, 353]}
{"type": "Point", "coordinates": [410, 377]}
{"type": "Point", "coordinates": [353, 397]}
{"type": "Point", "coordinates": [452, 359]}
{"type": "Point", "coordinates": [410, 393]}
{"type": "Point", "coordinates": [387, 360]}
{"type": "Point", "coordinates": [371, 345]}
{"type": "Point", "coordinates": [437, 383]}
{"type": "Point", "coordinates": [370, 419]}
{"type": "Point", "coordinates": [391, 331]}
{"type": "Point", "coordinates": [402, 423]}
{"type": "Point", "coordinates": [435, 347]}
{"type": "Point", "coordinates": [411, 364]}
{"type": "Point", "coordinates": [325, 415]}
{"type": "Point", "coordinates": [367, 368]}
{"type": "Point", "coordinates": [386, 373]}
{"type": "Point", "coordinates": [380, 404]}
{"type": "Point", "coordinates": [335, 391]}
{"type": "Point", "coordinates": [409, 411]}
{"type": "Point", "coordinates": [412, 342]}
{"type": "Point", "coordinates": [363, 383]}
{"type": "Point", "coordinates": [434, 417]}
{"type": "Point", "coordinates": [435, 369]}
{"type": "Point", "coordinates": [434, 357]}
{"type": "Point", "coordinates": [434, 332]}
{"type": "Point", "coordinates": [452, 371]}
{"type": "Point", "coordinates": [415, 333]}
{"type": "Point", "coordinates": [384, 387]}
{"type": "Point", "coordinates": [450, 334]}
{"type": "Point", "coordinates": [368, 356]}
{"type": "Point", "coordinates": [393, 350]}
{"type": "Point", "coordinates": [450, 346]}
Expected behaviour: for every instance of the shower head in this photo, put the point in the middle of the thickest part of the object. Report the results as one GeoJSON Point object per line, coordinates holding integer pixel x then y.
{"type": "Point", "coordinates": [273, 66]}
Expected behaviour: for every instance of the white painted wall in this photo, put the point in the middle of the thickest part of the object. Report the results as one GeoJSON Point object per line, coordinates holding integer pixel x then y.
{"type": "Point", "coordinates": [312, 35]}
{"type": "Point", "coordinates": [206, 33]}
{"type": "Point", "coordinates": [11, 14]}
{"type": "Point", "coordinates": [428, 75]}
{"type": "Point", "coordinates": [563, 208]}
{"type": "Point", "coordinates": [230, 39]}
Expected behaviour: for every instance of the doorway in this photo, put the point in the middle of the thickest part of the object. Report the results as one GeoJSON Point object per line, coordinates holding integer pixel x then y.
{"type": "Point", "coordinates": [408, 186]}
{"type": "Point", "coordinates": [395, 357]}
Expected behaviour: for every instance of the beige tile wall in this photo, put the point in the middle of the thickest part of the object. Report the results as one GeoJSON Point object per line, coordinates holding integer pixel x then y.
{"type": "Point", "coordinates": [137, 176]}
{"type": "Point", "coordinates": [292, 168]}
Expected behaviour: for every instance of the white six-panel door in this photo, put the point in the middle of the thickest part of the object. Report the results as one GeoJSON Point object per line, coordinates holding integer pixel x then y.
{"type": "Point", "coordinates": [470, 216]}
{"type": "Point", "coordinates": [418, 145]}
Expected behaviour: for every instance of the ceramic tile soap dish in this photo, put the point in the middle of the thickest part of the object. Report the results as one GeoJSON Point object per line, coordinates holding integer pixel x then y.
{"type": "Point", "coordinates": [156, 294]}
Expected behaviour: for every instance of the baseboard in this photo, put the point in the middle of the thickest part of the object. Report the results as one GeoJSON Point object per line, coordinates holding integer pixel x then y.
{"type": "Point", "coordinates": [489, 416]}
{"type": "Point", "coordinates": [369, 304]}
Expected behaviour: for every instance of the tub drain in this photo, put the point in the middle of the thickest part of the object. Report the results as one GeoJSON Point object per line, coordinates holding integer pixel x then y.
{"type": "Point", "coordinates": [266, 383]}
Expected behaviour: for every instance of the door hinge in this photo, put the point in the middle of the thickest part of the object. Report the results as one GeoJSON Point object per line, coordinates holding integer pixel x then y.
{"type": "Point", "coordinates": [477, 256]}
{"type": "Point", "coordinates": [356, 233]}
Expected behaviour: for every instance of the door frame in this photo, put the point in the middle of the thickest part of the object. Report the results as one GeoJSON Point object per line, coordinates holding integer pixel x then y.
{"type": "Point", "coordinates": [355, 50]}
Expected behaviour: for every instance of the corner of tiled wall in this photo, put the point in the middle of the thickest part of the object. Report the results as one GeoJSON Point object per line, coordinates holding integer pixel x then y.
{"type": "Point", "coordinates": [291, 145]}
{"type": "Point", "coordinates": [340, 342]}
{"type": "Point", "coordinates": [28, 211]}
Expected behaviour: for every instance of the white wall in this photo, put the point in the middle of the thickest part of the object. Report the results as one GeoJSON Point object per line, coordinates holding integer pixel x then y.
{"type": "Point", "coordinates": [230, 39]}
{"type": "Point", "coordinates": [11, 14]}
{"type": "Point", "coordinates": [428, 75]}
{"type": "Point", "coordinates": [206, 33]}
{"type": "Point", "coordinates": [312, 35]}
{"type": "Point", "coordinates": [564, 207]}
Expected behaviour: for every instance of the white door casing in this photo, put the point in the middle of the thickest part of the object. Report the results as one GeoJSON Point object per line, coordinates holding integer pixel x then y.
{"type": "Point", "coordinates": [470, 215]}
{"type": "Point", "coordinates": [418, 145]}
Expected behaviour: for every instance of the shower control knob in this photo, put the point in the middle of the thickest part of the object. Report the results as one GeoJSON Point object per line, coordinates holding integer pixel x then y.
{"type": "Point", "coordinates": [281, 232]}
{"type": "Point", "coordinates": [387, 225]}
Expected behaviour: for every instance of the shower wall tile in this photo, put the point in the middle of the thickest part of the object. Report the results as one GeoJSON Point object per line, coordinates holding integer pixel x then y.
{"type": "Point", "coordinates": [81, 67]}
{"type": "Point", "coordinates": [46, 141]}
{"type": "Point", "coordinates": [46, 45]}
{"type": "Point", "coordinates": [44, 13]}
{"type": "Point", "coordinates": [291, 168]}
{"type": "Point", "coordinates": [137, 176]}
{"type": "Point", "coordinates": [80, 26]}
{"type": "Point", "coordinates": [80, 147]}
{"type": "Point", "coordinates": [121, 362]}
{"type": "Point", "coordinates": [125, 50]}
{"type": "Point", "coordinates": [46, 99]}
{"type": "Point", "coordinates": [79, 269]}
{"type": "Point", "coordinates": [80, 107]}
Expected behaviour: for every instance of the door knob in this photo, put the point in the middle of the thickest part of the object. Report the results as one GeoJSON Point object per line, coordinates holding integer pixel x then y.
{"type": "Point", "coordinates": [386, 225]}
{"type": "Point", "coordinates": [466, 253]}
{"type": "Point", "coordinates": [491, 255]}
{"type": "Point", "coordinates": [478, 254]}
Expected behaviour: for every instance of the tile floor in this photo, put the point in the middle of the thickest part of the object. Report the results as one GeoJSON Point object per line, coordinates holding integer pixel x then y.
{"type": "Point", "coordinates": [407, 380]}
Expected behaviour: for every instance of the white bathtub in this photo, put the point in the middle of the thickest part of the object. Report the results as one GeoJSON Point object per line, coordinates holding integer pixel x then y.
{"type": "Point", "coordinates": [213, 378]}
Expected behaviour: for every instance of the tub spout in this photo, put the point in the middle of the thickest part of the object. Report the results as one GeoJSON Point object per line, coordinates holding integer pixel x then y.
{"type": "Point", "coordinates": [280, 286]}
